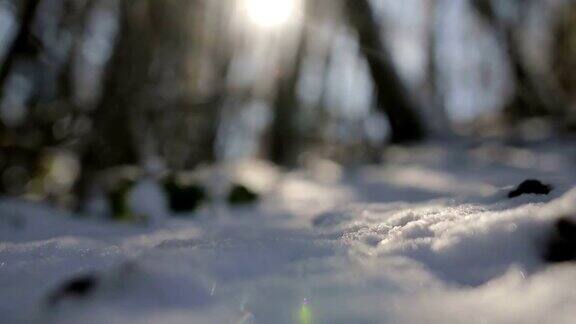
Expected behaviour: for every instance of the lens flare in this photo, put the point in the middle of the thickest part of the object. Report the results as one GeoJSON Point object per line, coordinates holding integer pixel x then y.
{"type": "Point", "coordinates": [305, 314]}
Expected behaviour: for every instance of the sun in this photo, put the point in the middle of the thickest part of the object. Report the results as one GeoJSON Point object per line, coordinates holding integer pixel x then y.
{"type": "Point", "coordinates": [272, 13]}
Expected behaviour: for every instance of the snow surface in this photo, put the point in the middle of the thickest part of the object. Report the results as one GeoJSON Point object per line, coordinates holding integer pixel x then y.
{"type": "Point", "coordinates": [428, 238]}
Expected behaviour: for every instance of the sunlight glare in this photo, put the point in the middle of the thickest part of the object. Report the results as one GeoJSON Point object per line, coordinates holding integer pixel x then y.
{"type": "Point", "coordinates": [271, 13]}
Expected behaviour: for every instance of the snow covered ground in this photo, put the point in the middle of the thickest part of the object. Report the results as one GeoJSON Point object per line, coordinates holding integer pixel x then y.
{"type": "Point", "coordinates": [430, 237]}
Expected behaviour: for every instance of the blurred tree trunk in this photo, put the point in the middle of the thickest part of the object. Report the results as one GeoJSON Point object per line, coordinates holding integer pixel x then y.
{"type": "Point", "coordinates": [531, 98]}
{"type": "Point", "coordinates": [435, 105]}
{"type": "Point", "coordinates": [151, 108]}
{"type": "Point", "coordinates": [20, 60]}
{"type": "Point", "coordinates": [393, 96]}
{"type": "Point", "coordinates": [286, 137]}
{"type": "Point", "coordinates": [564, 60]}
{"type": "Point", "coordinates": [110, 141]}
{"type": "Point", "coordinates": [24, 42]}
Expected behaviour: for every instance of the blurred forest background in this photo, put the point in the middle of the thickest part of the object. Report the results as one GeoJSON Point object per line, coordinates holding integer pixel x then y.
{"type": "Point", "coordinates": [87, 86]}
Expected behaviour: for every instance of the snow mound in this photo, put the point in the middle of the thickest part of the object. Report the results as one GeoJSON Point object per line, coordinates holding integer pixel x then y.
{"type": "Point", "coordinates": [313, 251]}
{"type": "Point", "coordinates": [466, 244]}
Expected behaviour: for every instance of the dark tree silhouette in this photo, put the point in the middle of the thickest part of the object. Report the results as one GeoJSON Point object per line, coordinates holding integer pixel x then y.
{"type": "Point", "coordinates": [24, 44]}
{"type": "Point", "coordinates": [564, 60]}
{"type": "Point", "coordinates": [393, 97]}
{"type": "Point", "coordinates": [532, 97]}
{"type": "Point", "coordinates": [286, 137]}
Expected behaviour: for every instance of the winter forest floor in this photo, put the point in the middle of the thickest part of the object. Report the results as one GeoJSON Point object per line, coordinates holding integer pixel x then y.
{"type": "Point", "coordinates": [429, 237]}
